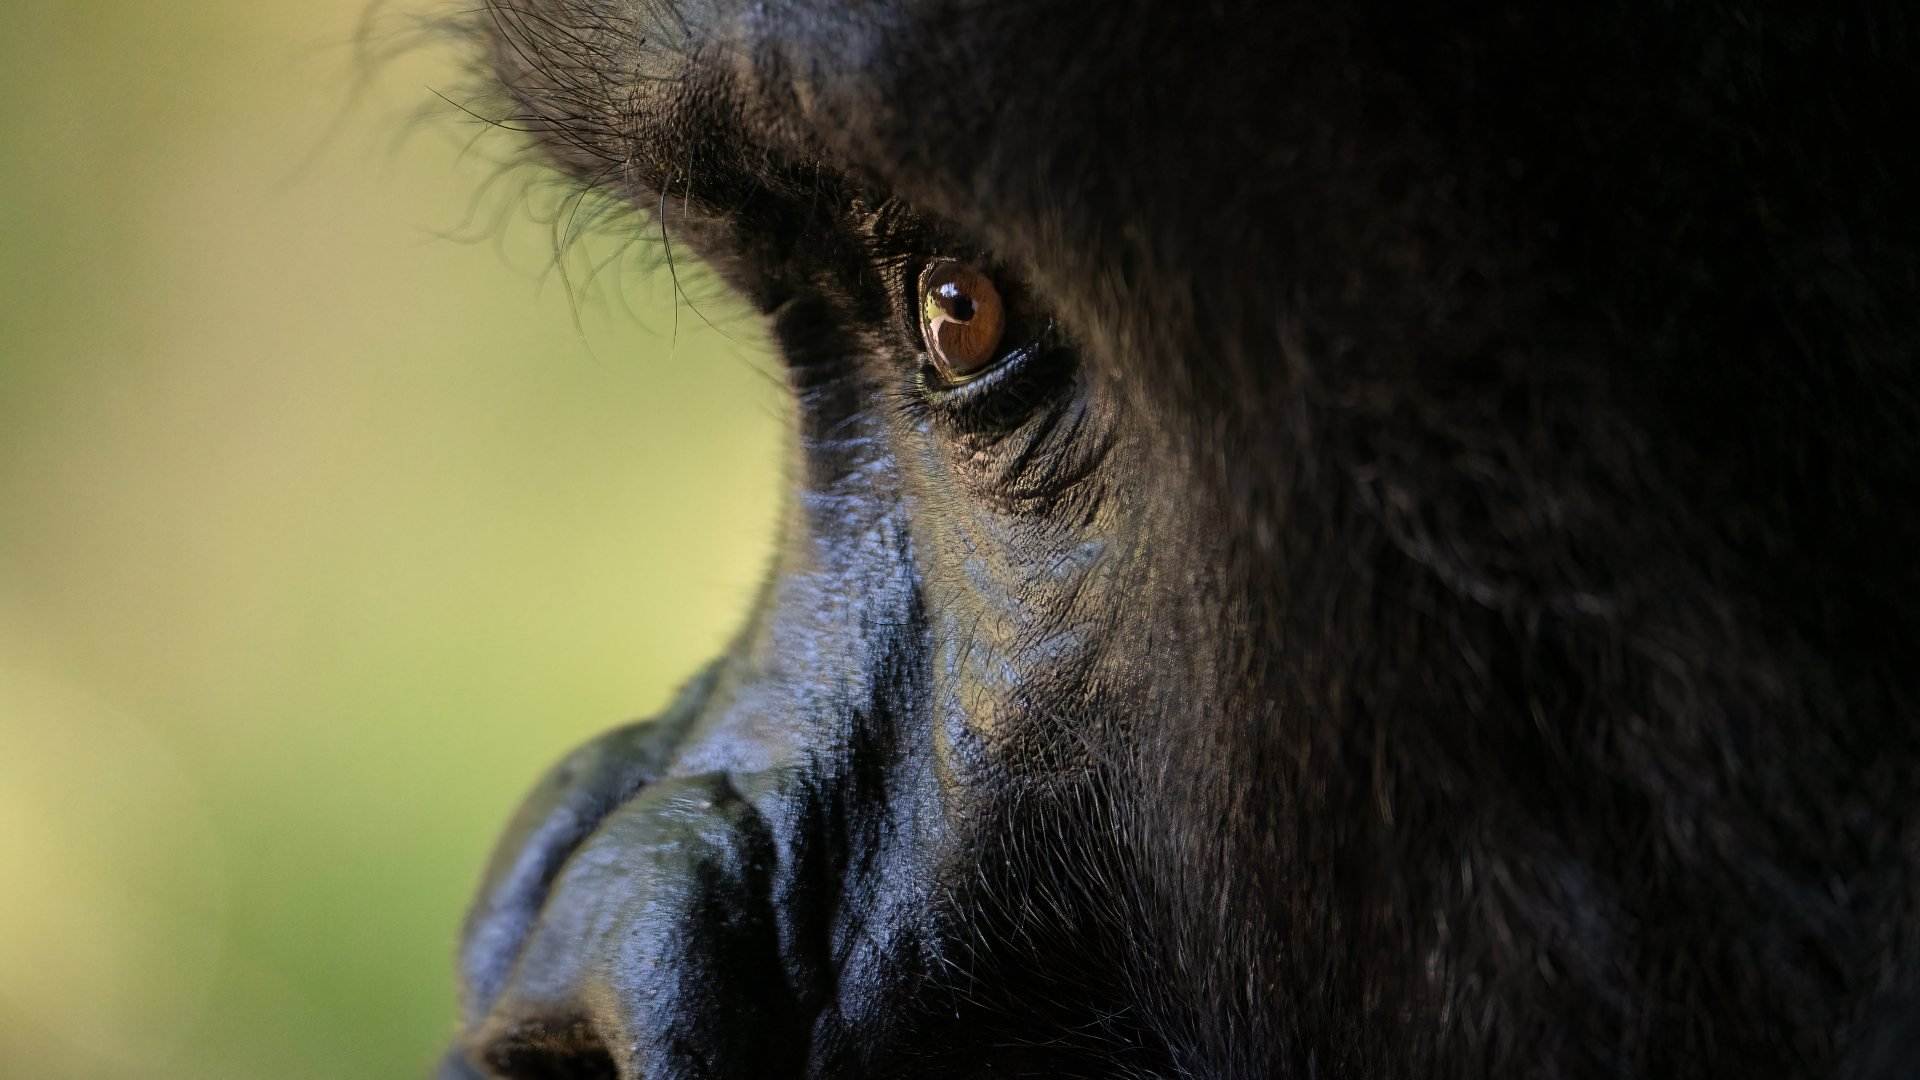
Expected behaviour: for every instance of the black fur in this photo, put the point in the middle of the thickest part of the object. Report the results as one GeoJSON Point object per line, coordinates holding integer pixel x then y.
{"type": "Point", "coordinates": [1442, 606]}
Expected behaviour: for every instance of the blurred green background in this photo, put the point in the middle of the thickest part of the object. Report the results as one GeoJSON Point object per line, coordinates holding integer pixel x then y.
{"type": "Point", "coordinates": [321, 532]}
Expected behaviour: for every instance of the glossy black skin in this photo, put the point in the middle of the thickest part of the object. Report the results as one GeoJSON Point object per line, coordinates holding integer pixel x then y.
{"type": "Point", "coordinates": [1440, 604]}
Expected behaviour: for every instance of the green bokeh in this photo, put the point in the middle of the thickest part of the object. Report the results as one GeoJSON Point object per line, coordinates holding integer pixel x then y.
{"type": "Point", "coordinates": [321, 532]}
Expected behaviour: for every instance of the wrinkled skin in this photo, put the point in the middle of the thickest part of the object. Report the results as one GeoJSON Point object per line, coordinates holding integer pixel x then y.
{"type": "Point", "coordinates": [1440, 604]}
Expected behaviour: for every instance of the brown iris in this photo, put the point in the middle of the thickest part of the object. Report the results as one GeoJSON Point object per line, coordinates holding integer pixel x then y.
{"type": "Point", "coordinates": [962, 319]}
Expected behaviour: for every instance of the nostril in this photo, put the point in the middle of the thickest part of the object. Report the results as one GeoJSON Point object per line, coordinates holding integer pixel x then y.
{"type": "Point", "coordinates": [570, 1052]}
{"type": "Point", "coordinates": [670, 944]}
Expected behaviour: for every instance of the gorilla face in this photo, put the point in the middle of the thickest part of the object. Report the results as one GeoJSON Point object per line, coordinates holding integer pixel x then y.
{"type": "Point", "coordinates": [1324, 541]}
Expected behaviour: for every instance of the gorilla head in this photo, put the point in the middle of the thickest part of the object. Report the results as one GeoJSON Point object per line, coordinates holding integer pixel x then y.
{"type": "Point", "coordinates": [1325, 540]}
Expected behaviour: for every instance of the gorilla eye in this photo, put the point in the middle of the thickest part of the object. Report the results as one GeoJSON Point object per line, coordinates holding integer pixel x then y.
{"type": "Point", "coordinates": [962, 319]}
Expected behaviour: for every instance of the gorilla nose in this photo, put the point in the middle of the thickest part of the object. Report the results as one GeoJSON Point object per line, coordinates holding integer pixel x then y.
{"type": "Point", "coordinates": [659, 950]}
{"type": "Point", "coordinates": [635, 924]}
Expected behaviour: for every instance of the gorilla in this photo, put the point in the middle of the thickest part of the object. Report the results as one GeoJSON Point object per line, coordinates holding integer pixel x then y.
{"type": "Point", "coordinates": [1324, 540]}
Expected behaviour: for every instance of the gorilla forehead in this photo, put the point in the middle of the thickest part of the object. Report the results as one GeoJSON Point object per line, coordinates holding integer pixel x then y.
{"type": "Point", "coordinates": [1061, 135]}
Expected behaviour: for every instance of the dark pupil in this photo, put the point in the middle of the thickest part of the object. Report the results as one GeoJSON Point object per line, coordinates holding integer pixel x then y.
{"type": "Point", "coordinates": [957, 304]}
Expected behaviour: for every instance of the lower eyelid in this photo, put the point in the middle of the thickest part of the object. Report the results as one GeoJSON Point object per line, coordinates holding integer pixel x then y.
{"type": "Point", "coordinates": [1004, 370]}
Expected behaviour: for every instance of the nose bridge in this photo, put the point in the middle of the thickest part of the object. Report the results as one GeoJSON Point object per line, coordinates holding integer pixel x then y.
{"type": "Point", "coordinates": [673, 898]}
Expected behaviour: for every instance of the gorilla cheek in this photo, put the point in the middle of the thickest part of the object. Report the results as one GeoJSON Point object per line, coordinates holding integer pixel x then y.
{"type": "Point", "coordinates": [1011, 648]}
